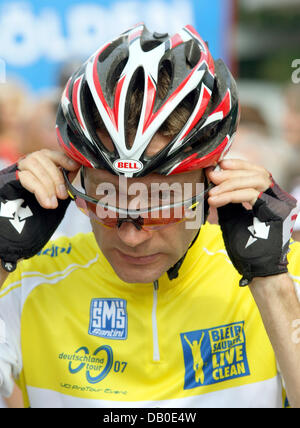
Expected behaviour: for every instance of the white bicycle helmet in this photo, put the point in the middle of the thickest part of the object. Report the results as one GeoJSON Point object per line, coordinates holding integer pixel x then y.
{"type": "Point", "coordinates": [105, 84]}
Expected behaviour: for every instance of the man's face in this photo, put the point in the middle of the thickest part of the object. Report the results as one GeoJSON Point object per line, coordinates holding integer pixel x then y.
{"type": "Point", "coordinates": [142, 256]}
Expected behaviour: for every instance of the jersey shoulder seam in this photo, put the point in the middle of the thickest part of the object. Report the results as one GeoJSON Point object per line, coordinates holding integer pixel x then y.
{"type": "Point", "coordinates": [31, 279]}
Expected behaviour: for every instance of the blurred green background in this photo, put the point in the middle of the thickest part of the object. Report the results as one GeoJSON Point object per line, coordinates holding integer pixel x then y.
{"type": "Point", "coordinates": [268, 39]}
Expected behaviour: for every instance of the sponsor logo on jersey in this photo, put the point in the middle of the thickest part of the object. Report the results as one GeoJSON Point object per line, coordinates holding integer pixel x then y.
{"type": "Point", "coordinates": [55, 250]}
{"type": "Point", "coordinates": [108, 318]}
{"type": "Point", "coordinates": [128, 165]}
{"type": "Point", "coordinates": [214, 355]}
{"type": "Point", "coordinates": [96, 365]}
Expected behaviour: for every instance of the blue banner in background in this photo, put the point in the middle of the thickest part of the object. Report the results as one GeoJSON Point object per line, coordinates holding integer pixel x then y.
{"type": "Point", "coordinates": [37, 37]}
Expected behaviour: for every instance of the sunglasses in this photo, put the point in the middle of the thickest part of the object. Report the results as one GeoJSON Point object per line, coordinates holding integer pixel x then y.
{"type": "Point", "coordinates": [149, 218]}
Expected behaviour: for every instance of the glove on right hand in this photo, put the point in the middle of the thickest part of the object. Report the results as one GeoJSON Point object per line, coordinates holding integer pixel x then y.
{"type": "Point", "coordinates": [25, 226]}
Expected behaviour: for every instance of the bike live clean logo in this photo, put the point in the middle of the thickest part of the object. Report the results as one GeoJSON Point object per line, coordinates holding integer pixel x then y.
{"type": "Point", "coordinates": [108, 319]}
{"type": "Point", "coordinates": [214, 355]}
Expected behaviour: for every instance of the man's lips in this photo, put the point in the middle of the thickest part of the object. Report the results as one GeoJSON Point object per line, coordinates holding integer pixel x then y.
{"type": "Point", "coordinates": [139, 260]}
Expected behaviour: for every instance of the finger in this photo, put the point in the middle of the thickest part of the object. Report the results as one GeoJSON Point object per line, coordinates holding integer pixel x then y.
{"type": "Point", "coordinates": [208, 170]}
{"type": "Point", "coordinates": [222, 175]}
{"type": "Point", "coordinates": [62, 160]}
{"type": "Point", "coordinates": [34, 165]}
{"type": "Point", "coordinates": [45, 165]}
{"type": "Point", "coordinates": [55, 175]}
{"type": "Point", "coordinates": [238, 196]}
{"type": "Point", "coordinates": [235, 164]}
{"type": "Point", "coordinates": [30, 182]}
{"type": "Point", "coordinates": [57, 157]}
{"type": "Point", "coordinates": [241, 181]}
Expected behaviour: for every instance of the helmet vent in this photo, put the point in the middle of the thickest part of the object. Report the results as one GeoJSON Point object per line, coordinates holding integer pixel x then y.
{"type": "Point", "coordinates": [105, 54]}
{"type": "Point", "coordinates": [192, 53]}
{"type": "Point", "coordinates": [133, 110]}
{"type": "Point", "coordinates": [172, 126]}
{"type": "Point", "coordinates": [114, 77]}
{"type": "Point", "coordinates": [210, 134]}
{"type": "Point", "coordinates": [148, 45]}
{"type": "Point", "coordinates": [164, 79]}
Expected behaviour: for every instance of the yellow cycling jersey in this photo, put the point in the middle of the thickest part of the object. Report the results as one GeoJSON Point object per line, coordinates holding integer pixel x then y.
{"type": "Point", "coordinates": [78, 336]}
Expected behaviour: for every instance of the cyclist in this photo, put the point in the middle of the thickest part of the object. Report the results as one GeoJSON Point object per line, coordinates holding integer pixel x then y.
{"type": "Point", "coordinates": [107, 319]}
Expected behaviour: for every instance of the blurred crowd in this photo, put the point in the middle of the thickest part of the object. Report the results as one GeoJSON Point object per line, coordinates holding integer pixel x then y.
{"type": "Point", "coordinates": [279, 151]}
{"type": "Point", "coordinates": [27, 124]}
{"type": "Point", "coordinates": [276, 148]}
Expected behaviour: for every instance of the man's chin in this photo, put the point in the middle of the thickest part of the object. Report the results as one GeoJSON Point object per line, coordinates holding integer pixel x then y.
{"type": "Point", "coordinates": [146, 276]}
{"type": "Point", "coordinates": [138, 274]}
{"type": "Point", "coordinates": [138, 270]}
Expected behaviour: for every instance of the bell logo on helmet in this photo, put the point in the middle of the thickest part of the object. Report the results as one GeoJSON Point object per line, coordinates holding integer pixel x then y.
{"type": "Point", "coordinates": [128, 165]}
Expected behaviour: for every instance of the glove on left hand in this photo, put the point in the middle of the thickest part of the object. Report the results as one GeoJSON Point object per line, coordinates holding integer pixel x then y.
{"type": "Point", "coordinates": [257, 240]}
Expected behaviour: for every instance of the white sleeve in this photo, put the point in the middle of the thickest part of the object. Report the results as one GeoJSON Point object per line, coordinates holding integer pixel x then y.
{"type": "Point", "coordinates": [10, 347]}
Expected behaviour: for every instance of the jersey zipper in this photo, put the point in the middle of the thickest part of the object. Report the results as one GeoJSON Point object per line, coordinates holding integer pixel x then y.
{"type": "Point", "coordinates": [156, 356]}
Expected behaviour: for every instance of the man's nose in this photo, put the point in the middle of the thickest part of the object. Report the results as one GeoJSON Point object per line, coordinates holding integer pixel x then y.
{"type": "Point", "coordinates": [131, 235]}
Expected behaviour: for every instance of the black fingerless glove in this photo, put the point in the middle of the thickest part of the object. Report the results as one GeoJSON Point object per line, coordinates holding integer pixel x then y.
{"type": "Point", "coordinates": [257, 241]}
{"type": "Point", "coordinates": [25, 227]}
